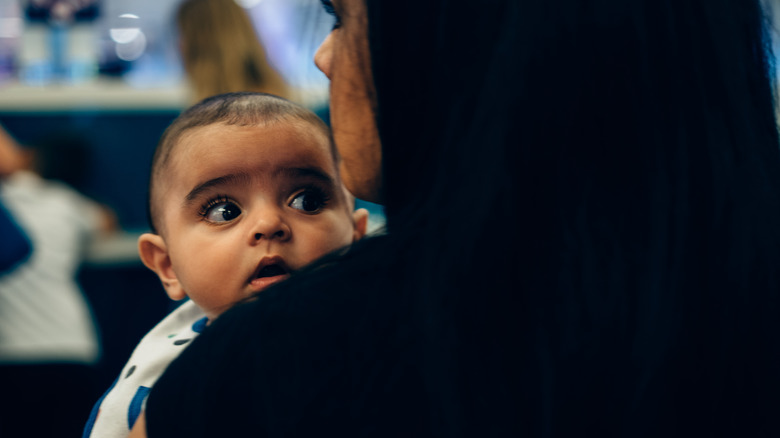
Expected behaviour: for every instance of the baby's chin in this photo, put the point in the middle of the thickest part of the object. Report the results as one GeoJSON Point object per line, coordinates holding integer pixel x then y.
{"type": "Point", "coordinates": [214, 313]}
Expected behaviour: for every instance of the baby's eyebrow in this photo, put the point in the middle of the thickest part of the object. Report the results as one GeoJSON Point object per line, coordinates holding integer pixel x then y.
{"type": "Point", "coordinates": [305, 172]}
{"type": "Point", "coordinates": [233, 178]}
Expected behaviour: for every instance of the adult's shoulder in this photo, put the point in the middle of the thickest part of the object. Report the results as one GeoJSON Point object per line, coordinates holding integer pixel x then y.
{"type": "Point", "coordinates": [340, 284]}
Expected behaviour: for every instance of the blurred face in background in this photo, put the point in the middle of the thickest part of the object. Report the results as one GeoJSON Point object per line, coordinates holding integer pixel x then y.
{"type": "Point", "coordinates": [345, 59]}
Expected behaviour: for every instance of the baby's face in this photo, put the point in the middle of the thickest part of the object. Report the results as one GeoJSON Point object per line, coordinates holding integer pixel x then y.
{"type": "Point", "coordinates": [244, 206]}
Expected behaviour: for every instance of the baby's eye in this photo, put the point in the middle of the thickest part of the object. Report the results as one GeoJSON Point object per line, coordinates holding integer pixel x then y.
{"type": "Point", "coordinates": [222, 212]}
{"type": "Point", "coordinates": [309, 201]}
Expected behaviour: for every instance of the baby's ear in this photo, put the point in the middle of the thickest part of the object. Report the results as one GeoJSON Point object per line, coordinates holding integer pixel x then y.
{"type": "Point", "coordinates": [360, 216]}
{"type": "Point", "coordinates": [154, 254]}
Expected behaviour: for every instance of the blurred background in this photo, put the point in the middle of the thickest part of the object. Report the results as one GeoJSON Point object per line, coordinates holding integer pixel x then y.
{"type": "Point", "coordinates": [111, 73]}
{"type": "Point", "coordinates": [86, 89]}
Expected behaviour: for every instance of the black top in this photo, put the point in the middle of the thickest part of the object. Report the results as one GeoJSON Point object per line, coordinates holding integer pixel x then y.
{"type": "Point", "coordinates": [317, 355]}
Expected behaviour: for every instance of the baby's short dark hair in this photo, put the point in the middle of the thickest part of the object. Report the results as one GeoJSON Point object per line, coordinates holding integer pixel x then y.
{"type": "Point", "coordinates": [241, 109]}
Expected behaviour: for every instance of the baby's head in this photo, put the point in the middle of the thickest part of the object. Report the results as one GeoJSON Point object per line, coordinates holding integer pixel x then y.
{"type": "Point", "coordinates": [244, 190]}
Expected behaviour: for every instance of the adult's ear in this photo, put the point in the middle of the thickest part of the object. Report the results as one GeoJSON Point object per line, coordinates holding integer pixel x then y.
{"type": "Point", "coordinates": [360, 216]}
{"type": "Point", "coordinates": [154, 254]}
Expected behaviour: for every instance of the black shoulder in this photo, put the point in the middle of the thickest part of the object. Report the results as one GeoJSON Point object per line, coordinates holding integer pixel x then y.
{"type": "Point", "coordinates": [299, 357]}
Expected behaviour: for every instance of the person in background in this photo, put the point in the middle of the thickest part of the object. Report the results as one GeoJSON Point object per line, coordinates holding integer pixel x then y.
{"type": "Point", "coordinates": [222, 52]}
{"type": "Point", "coordinates": [48, 339]}
{"type": "Point", "coordinates": [244, 193]}
{"type": "Point", "coordinates": [582, 202]}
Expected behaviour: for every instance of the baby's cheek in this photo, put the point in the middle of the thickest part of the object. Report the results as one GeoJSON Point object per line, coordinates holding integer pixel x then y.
{"type": "Point", "coordinates": [208, 274]}
{"type": "Point", "coordinates": [342, 236]}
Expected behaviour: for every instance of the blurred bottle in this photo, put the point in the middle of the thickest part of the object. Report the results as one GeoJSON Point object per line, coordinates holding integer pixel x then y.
{"type": "Point", "coordinates": [35, 64]}
{"type": "Point", "coordinates": [10, 34]}
{"type": "Point", "coordinates": [82, 53]}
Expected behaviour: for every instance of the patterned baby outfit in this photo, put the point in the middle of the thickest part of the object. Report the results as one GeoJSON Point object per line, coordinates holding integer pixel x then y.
{"type": "Point", "coordinates": [115, 413]}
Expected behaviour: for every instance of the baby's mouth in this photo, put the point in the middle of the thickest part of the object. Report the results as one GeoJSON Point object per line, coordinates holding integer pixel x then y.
{"type": "Point", "coordinates": [270, 270]}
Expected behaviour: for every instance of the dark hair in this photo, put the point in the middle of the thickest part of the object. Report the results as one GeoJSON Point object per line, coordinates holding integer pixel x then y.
{"type": "Point", "coordinates": [240, 108]}
{"type": "Point", "coordinates": [582, 213]}
{"type": "Point", "coordinates": [593, 209]}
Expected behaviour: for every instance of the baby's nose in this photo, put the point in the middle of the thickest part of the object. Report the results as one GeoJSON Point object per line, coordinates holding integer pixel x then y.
{"type": "Point", "coordinates": [270, 225]}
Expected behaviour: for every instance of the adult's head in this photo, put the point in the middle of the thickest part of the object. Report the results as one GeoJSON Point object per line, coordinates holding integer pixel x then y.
{"type": "Point", "coordinates": [588, 79]}
{"type": "Point", "coordinates": [221, 51]}
{"type": "Point", "coordinates": [581, 174]}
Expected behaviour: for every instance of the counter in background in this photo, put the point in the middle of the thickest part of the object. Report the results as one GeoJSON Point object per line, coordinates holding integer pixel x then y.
{"type": "Point", "coordinates": [99, 95]}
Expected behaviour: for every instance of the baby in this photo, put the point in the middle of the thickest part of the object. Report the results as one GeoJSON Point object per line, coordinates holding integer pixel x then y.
{"type": "Point", "coordinates": [244, 191]}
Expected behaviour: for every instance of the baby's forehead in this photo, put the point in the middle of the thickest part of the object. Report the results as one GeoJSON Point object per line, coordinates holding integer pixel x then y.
{"type": "Point", "coordinates": [297, 141]}
{"type": "Point", "coordinates": [302, 127]}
